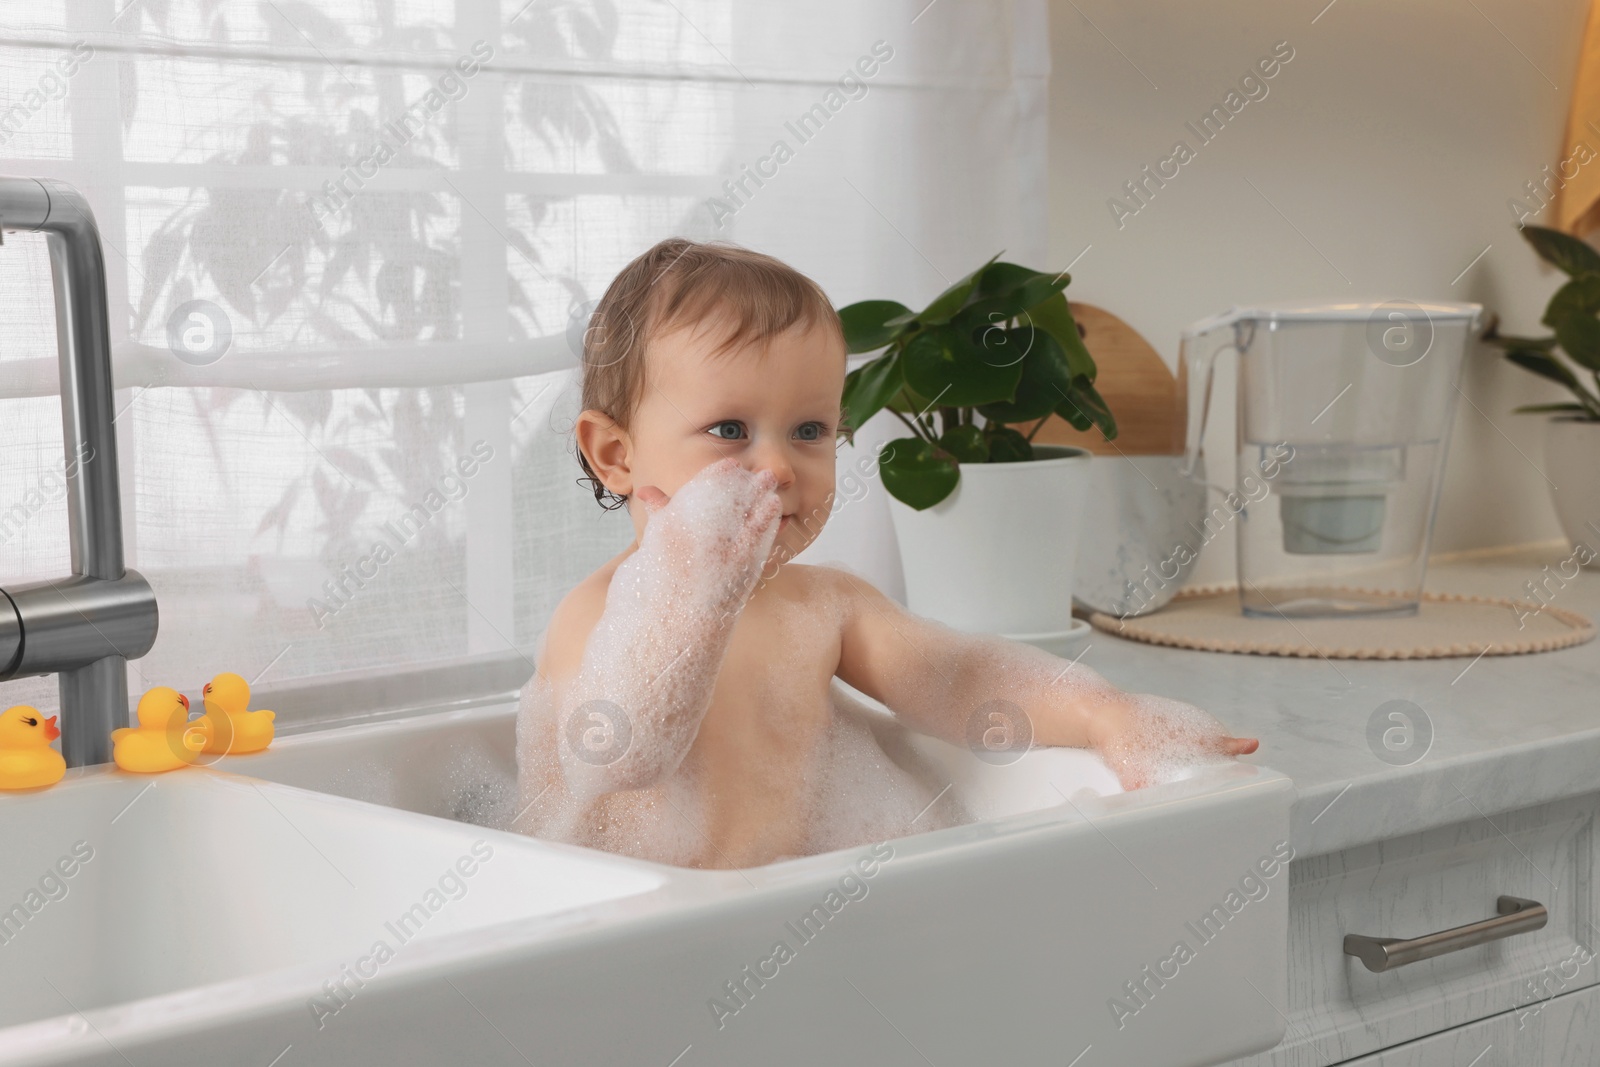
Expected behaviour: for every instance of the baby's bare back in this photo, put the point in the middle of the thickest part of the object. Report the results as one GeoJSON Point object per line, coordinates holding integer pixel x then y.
{"type": "Point", "coordinates": [785, 762]}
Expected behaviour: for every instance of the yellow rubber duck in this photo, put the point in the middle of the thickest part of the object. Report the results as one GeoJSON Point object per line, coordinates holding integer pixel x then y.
{"type": "Point", "coordinates": [164, 740]}
{"type": "Point", "coordinates": [26, 759]}
{"type": "Point", "coordinates": [230, 726]}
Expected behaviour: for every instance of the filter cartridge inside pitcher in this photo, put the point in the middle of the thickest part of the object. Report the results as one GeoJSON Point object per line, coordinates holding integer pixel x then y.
{"type": "Point", "coordinates": [1346, 534]}
{"type": "Point", "coordinates": [1333, 498]}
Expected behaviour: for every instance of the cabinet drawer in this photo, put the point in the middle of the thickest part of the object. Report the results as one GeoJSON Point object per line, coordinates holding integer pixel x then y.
{"type": "Point", "coordinates": [1562, 1032]}
{"type": "Point", "coordinates": [1421, 884]}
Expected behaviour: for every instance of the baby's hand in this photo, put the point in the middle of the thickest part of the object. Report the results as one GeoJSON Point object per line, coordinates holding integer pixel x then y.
{"type": "Point", "coordinates": [716, 533]}
{"type": "Point", "coordinates": [1146, 740]}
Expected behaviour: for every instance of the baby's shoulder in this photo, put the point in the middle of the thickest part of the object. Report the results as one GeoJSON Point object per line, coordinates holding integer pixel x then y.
{"type": "Point", "coordinates": [820, 586]}
{"type": "Point", "coordinates": [572, 622]}
{"type": "Point", "coordinates": [586, 599]}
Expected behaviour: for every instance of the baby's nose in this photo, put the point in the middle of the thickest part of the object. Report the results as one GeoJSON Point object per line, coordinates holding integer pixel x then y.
{"type": "Point", "coordinates": [778, 469]}
{"type": "Point", "coordinates": [775, 462]}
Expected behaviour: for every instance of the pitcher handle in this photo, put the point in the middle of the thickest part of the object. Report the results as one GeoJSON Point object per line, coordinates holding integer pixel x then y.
{"type": "Point", "coordinates": [1199, 359]}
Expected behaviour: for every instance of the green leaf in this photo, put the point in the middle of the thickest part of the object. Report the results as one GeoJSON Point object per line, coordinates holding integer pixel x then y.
{"type": "Point", "coordinates": [916, 473]}
{"type": "Point", "coordinates": [1084, 407]}
{"type": "Point", "coordinates": [869, 387]}
{"type": "Point", "coordinates": [1580, 296]}
{"type": "Point", "coordinates": [1571, 255]}
{"type": "Point", "coordinates": [946, 366]}
{"type": "Point", "coordinates": [1046, 378]}
{"type": "Point", "coordinates": [867, 324]}
{"type": "Point", "coordinates": [999, 345]}
{"type": "Point", "coordinates": [1538, 344]}
{"type": "Point", "coordinates": [953, 299]}
{"type": "Point", "coordinates": [1054, 317]}
{"type": "Point", "coordinates": [1007, 445]}
{"type": "Point", "coordinates": [966, 443]}
{"type": "Point", "coordinates": [908, 401]}
{"type": "Point", "coordinates": [1546, 366]}
{"type": "Point", "coordinates": [1570, 409]}
{"type": "Point", "coordinates": [1580, 338]}
{"type": "Point", "coordinates": [1075, 414]}
{"type": "Point", "coordinates": [1006, 291]}
{"type": "Point", "coordinates": [1099, 410]}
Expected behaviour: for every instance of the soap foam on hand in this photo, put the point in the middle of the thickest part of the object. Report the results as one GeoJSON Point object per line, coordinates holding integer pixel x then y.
{"type": "Point", "coordinates": [1166, 740]}
{"type": "Point", "coordinates": [712, 538]}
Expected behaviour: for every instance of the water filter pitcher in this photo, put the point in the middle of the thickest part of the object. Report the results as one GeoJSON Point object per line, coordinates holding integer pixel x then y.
{"type": "Point", "coordinates": [1343, 416]}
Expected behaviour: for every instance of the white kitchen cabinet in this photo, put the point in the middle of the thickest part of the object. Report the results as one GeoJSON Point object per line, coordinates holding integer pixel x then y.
{"type": "Point", "coordinates": [1435, 880]}
{"type": "Point", "coordinates": [1563, 1031]}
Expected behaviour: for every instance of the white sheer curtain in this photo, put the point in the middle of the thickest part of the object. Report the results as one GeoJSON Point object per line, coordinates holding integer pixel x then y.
{"type": "Point", "coordinates": [398, 214]}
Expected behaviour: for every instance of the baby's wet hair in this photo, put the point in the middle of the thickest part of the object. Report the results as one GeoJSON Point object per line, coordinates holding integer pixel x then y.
{"type": "Point", "coordinates": [680, 282]}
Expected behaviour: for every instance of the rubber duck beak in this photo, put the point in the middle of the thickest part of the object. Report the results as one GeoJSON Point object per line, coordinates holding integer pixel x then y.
{"type": "Point", "coordinates": [50, 731]}
{"type": "Point", "coordinates": [184, 701]}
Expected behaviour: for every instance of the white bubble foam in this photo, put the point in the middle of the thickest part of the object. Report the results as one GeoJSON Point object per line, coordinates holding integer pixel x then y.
{"type": "Point", "coordinates": [477, 790]}
{"type": "Point", "coordinates": [872, 784]}
{"type": "Point", "coordinates": [1167, 740]}
{"type": "Point", "coordinates": [860, 782]}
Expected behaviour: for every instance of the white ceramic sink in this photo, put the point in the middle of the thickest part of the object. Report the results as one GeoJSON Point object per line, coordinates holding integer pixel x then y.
{"type": "Point", "coordinates": [146, 885]}
{"type": "Point", "coordinates": [225, 905]}
{"type": "Point", "coordinates": [459, 765]}
{"type": "Point", "coordinates": [1001, 941]}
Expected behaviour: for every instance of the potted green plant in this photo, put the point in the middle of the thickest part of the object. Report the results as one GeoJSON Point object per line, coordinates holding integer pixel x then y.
{"type": "Point", "coordinates": [986, 520]}
{"type": "Point", "coordinates": [1572, 436]}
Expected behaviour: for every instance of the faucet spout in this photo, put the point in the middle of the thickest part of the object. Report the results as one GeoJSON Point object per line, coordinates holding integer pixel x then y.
{"type": "Point", "coordinates": [87, 626]}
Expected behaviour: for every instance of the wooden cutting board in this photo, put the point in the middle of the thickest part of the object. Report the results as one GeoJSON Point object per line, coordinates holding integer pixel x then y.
{"type": "Point", "coordinates": [1148, 401]}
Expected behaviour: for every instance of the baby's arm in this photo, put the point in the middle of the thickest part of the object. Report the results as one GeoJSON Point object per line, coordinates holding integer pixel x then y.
{"type": "Point", "coordinates": [946, 684]}
{"type": "Point", "coordinates": [628, 711]}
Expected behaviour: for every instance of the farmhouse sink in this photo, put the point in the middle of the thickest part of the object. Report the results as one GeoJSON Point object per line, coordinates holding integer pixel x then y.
{"type": "Point", "coordinates": [119, 888]}
{"type": "Point", "coordinates": [1065, 884]}
{"type": "Point", "coordinates": [222, 909]}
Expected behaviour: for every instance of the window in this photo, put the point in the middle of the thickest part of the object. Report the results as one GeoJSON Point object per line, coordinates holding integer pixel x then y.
{"type": "Point", "coordinates": [351, 253]}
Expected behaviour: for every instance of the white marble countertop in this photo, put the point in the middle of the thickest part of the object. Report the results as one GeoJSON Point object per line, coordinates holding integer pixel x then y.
{"type": "Point", "coordinates": [1510, 732]}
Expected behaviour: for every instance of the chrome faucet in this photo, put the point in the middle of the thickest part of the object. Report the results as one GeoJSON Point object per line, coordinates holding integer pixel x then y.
{"type": "Point", "coordinates": [87, 626]}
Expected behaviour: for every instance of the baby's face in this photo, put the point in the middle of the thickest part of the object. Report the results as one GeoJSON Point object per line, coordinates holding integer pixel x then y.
{"type": "Point", "coordinates": [776, 410]}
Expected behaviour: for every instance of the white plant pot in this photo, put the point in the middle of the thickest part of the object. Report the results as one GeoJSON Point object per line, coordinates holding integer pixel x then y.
{"type": "Point", "coordinates": [998, 554]}
{"type": "Point", "coordinates": [1572, 460]}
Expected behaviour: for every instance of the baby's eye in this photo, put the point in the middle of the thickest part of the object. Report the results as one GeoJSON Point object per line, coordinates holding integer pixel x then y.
{"type": "Point", "coordinates": [729, 430]}
{"type": "Point", "coordinates": [810, 431]}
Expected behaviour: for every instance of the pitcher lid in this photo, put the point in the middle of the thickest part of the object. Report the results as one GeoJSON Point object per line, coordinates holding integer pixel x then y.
{"type": "Point", "coordinates": [1347, 311]}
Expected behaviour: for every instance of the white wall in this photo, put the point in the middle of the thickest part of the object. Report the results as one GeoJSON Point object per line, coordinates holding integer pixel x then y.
{"type": "Point", "coordinates": [1390, 144]}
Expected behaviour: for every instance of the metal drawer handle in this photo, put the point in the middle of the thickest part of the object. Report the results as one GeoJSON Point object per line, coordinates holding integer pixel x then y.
{"type": "Point", "coordinates": [1517, 916]}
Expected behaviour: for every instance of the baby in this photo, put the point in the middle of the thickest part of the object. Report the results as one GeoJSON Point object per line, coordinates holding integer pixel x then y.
{"type": "Point", "coordinates": [689, 704]}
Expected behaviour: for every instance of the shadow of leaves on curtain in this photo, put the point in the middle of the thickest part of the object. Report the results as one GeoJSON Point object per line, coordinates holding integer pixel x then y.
{"type": "Point", "coordinates": [565, 115]}
{"type": "Point", "coordinates": [568, 114]}
{"type": "Point", "coordinates": [384, 269]}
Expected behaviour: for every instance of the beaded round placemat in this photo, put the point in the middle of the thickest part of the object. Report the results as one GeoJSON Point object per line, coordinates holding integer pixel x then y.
{"type": "Point", "coordinates": [1208, 619]}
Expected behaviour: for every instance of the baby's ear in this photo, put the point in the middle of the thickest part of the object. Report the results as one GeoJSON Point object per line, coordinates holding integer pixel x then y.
{"type": "Point", "coordinates": [608, 449]}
